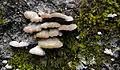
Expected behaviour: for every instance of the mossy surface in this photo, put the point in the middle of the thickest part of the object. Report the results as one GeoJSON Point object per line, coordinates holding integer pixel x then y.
{"type": "Point", "coordinates": [92, 19]}
{"type": "Point", "coordinates": [2, 17]}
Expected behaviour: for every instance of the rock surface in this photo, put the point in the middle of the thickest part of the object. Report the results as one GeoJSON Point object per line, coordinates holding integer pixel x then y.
{"type": "Point", "coordinates": [15, 21]}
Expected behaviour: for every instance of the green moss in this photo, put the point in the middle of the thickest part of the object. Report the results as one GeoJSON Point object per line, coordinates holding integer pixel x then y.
{"type": "Point", "coordinates": [2, 18]}
{"type": "Point", "coordinates": [93, 18]}
{"type": "Point", "coordinates": [21, 60]}
{"type": "Point", "coordinates": [60, 9]}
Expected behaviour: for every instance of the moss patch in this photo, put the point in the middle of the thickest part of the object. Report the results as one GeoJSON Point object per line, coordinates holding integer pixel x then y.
{"type": "Point", "coordinates": [93, 18]}
{"type": "Point", "coordinates": [2, 18]}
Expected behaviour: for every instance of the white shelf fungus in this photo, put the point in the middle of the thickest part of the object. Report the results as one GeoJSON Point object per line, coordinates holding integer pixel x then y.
{"type": "Point", "coordinates": [22, 44]}
{"type": "Point", "coordinates": [60, 15]}
{"type": "Point", "coordinates": [37, 28]}
{"type": "Point", "coordinates": [68, 27]}
{"type": "Point", "coordinates": [42, 34]}
{"type": "Point", "coordinates": [33, 16]}
{"type": "Point", "coordinates": [48, 33]}
{"type": "Point", "coordinates": [44, 15]}
{"type": "Point", "coordinates": [50, 25]}
{"type": "Point", "coordinates": [36, 19]}
{"type": "Point", "coordinates": [53, 32]}
{"type": "Point", "coordinates": [67, 18]}
{"type": "Point", "coordinates": [50, 43]}
{"type": "Point", "coordinates": [37, 51]}
{"type": "Point", "coordinates": [32, 28]}
{"type": "Point", "coordinates": [17, 44]}
{"type": "Point", "coordinates": [14, 43]}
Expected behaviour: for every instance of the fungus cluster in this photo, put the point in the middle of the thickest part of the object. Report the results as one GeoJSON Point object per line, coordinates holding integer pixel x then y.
{"type": "Point", "coordinates": [47, 32]}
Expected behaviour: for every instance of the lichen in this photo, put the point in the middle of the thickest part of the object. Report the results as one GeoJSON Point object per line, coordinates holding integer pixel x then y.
{"type": "Point", "coordinates": [2, 17]}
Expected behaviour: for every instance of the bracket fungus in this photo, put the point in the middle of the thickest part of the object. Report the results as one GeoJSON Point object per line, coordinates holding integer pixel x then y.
{"type": "Point", "coordinates": [32, 28]}
{"type": "Point", "coordinates": [50, 25]}
{"type": "Point", "coordinates": [68, 27]}
{"type": "Point", "coordinates": [47, 32]}
{"type": "Point", "coordinates": [60, 15]}
{"type": "Point", "coordinates": [33, 16]}
{"type": "Point", "coordinates": [37, 51]}
{"type": "Point", "coordinates": [50, 43]}
{"type": "Point", "coordinates": [17, 44]}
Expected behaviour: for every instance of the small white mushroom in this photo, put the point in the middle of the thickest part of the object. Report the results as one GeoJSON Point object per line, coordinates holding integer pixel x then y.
{"type": "Point", "coordinates": [50, 25]}
{"type": "Point", "coordinates": [50, 43]}
{"type": "Point", "coordinates": [14, 43]}
{"type": "Point", "coordinates": [37, 51]}
{"type": "Point", "coordinates": [33, 16]}
{"type": "Point", "coordinates": [68, 27]}
{"type": "Point", "coordinates": [32, 28]}
{"type": "Point", "coordinates": [60, 15]}
{"type": "Point", "coordinates": [42, 34]}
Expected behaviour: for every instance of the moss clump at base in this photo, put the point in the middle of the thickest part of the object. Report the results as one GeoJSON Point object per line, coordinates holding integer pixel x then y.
{"type": "Point", "coordinates": [2, 17]}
